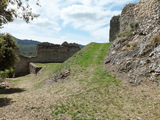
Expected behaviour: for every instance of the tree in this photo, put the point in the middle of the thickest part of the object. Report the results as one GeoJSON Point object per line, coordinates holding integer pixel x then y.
{"type": "Point", "coordinates": [10, 9]}
{"type": "Point", "coordinates": [8, 56]}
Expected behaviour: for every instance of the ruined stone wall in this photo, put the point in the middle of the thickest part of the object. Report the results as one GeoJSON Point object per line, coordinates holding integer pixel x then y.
{"type": "Point", "coordinates": [136, 56]}
{"type": "Point", "coordinates": [22, 66]}
{"type": "Point", "coordinates": [34, 69]}
{"type": "Point", "coordinates": [147, 14]}
{"type": "Point", "coordinates": [46, 53]}
{"type": "Point", "coordinates": [114, 28]}
{"type": "Point", "coordinates": [140, 18]}
{"type": "Point", "coordinates": [127, 17]}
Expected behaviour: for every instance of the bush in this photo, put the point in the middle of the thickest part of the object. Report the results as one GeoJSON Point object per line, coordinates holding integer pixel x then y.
{"type": "Point", "coordinates": [6, 73]}
{"type": "Point", "coordinates": [125, 34]}
{"type": "Point", "coordinates": [156, 41]}
{"type": "Point", "coordinates": [8, 55]}
{"type": "Point", "coordinates": [130, 46]}
{"type": "Point", "coordinates": [134, 25]}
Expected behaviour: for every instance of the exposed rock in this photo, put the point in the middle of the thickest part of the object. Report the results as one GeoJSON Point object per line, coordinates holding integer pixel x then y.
{"type": "Point", "coordinates": [3, 84]}
{"type": "Point", "coordinates": [137, 55]}
{"type": "Point", "coordinates": [34, 69]}
{"type": "Point", "coordinates": [155, 55]}
{"type": "Point", "coordinates": [59, 76]}
{"type": "Point", "coordinates": [115, 27]}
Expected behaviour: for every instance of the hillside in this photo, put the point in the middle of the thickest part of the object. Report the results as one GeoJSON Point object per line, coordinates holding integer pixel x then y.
{"type": "Point", "coordinates": [27, 47]}
{"type": "Point", "coordinates": [86, 92]}
{"type": "Point", "coordinates": [26, 42]}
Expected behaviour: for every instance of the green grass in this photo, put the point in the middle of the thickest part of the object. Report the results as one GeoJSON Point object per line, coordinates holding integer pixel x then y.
{"type": "Point", "coordinates": [16, 81]}
{"type": "Point", "coordinates": [86, 57]}
{"type": "Point", "coordinates": [92, 101]}
{"type": "Point", "coordinates": [47, 72]}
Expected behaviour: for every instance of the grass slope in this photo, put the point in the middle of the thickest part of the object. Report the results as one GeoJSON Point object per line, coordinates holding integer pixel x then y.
{"type": "Point", "coordinates": [99, 95]}
{"type": "Point", "coordinates": [91, 101]}
{"type": "Point", "coordinates": [27, 47]}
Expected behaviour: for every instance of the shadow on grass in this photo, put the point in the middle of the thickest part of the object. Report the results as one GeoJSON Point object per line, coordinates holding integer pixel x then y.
{"type": "Point", "coordinates": [5, 101]}
{"type": "Point", "coordinates": [11, 91]}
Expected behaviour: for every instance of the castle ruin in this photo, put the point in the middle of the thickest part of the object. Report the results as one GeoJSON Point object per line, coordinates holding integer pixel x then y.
{"type": "Point", "coordinates": [135, 51]}
{"type": "Point", "coordinates": [46, 53]}
{"type": "Point", "coordinates": [142, 18]}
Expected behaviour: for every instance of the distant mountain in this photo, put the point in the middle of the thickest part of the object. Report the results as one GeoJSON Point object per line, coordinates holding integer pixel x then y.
{"type": "Point", "coordinates": [81, 46]}
{"type": "Point", "coordinates": [26, 42]}
{"type": "Point", "coordinates": [27, 47]}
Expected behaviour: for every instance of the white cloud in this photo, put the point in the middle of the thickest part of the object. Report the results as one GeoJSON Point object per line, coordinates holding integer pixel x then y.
{"type": "Point", "coordinates": [92, 16]}
{"type": "Point", "coordinates": [88, 18]}
{"type": "Point", "coordinates": [82, 13]}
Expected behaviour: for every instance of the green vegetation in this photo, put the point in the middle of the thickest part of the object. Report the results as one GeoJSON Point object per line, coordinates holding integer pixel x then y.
{"type": "Point", "coordinates": [28, 50]}
{"type": "Point", "coordinates": [8, 56]}
{"type": "Point", "coordinates": [86, 57]}
{"type": "Point", "coordinates": [47, 72]}
{"type": "Point", "coordinates": [134, 26]}
{"type": "Point", "coordinates": [125, 34]}
{"type": "Point", "coordinates": [27, 47]}
{"type": "Point", "coordinates": [155, 41]}
{"type": "Point", "coordinates": [6, 73]}
{"type": "Point", "coordinates": [8, 15]}
{"type": "Point", "coordinates": [90, 103]}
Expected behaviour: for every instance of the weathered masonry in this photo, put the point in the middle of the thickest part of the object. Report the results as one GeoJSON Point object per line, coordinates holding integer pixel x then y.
{"type": "Point", "coordinates": [46, 53]}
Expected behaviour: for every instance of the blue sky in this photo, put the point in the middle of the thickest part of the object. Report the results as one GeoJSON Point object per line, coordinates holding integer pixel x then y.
{"type": "Point", "coordinates": [79, 21]}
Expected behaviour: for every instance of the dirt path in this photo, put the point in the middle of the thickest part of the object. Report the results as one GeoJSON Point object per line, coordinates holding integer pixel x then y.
{"type": "Point", "coordinates": [20, 103]}
{"type": "Point", "coordinates": [24, 101]}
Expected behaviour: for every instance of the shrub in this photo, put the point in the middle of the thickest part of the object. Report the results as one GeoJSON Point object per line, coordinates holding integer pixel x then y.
{"type": "Point", "coordinates": [156, 41]}
{"type": "Point", "coordinates": [130, 46]}
{"type": "Point", "coordinates": [125, 34]}
{"type": "Point", "coordinates": [134, 25]}
{"type": "Point", "coordinates": [8, 56]}
{"type": "Point", "coordinates": [6, 73]}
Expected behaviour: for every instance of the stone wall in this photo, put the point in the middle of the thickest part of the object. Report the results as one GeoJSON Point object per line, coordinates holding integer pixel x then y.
{"type": "Point", "coordinates": [114, 27]}
{"type": "Point", "coordinates": [46, 53]}
{"type": "Point", "coordinates": [22, 66]}
{"type": "Point", "coordinates": [136, 56]}
{"type": "Point", "coordinates": [127, 17]}
{"type": "Point", "coordinates": [147, 13]}
{"type": "Point", "coordinates": [34, 69]}
{"type": "Point", "coordinates": [141, 18]}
